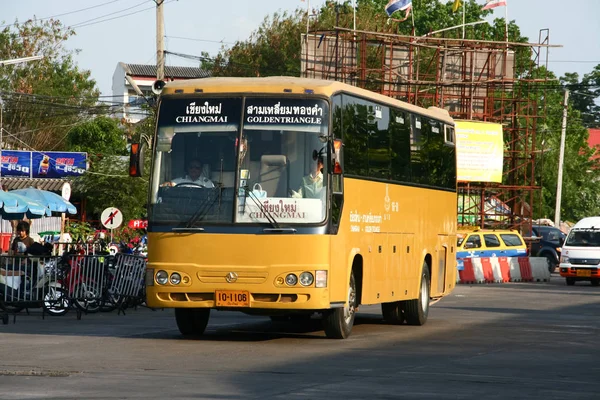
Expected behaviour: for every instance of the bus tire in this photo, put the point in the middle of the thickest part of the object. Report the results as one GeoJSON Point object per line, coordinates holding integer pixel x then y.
{"type": "Point", "coordinates": [417, 310]}
{"type": "Point", "coordinates": [393, 313]}
{"type": "Point", "coordinates": [192, 321]}
{"type": "Point", "coordinates": [338, 322]}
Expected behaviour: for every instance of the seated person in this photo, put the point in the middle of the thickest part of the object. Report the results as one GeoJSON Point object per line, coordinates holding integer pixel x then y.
{"type": "Point", "coordinates": [194, 176]}
{"type": "Point", "coordinates": [22, 239]}
{"type": "Point", "coordinates": [312, 184]}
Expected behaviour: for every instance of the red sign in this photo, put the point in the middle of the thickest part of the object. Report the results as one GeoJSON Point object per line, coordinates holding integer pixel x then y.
{"type": "Point", "coordinates": [138, 224]}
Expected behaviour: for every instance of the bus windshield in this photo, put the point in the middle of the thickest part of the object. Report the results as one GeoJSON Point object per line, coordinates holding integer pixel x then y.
{"type": "Point", "coordinates": [240, 161]}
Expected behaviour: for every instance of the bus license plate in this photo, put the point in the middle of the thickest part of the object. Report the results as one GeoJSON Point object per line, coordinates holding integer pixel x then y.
{"type": "Point", "coordinates": [232, 298]}
{"type": "Point", "coordinates": [584, 272]}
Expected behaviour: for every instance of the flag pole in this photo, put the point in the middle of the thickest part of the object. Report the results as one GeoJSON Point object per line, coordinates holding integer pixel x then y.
{"type": "Point", "coordinates": [463, 30]}
{"type": "Point", "coordinates": [506, 22]}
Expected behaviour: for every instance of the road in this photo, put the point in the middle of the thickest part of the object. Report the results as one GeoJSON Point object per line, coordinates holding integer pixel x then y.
{"type": "Point", "coordinates": [535, 341]}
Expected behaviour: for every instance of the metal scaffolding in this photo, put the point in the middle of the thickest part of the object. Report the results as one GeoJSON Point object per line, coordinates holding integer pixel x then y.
{"type": "Point", "coordinates": [472, 79]}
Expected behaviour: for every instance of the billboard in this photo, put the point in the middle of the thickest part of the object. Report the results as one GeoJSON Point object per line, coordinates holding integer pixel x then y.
{"type": "Point", "coordinates": [479, 151]}
{"type": "Point", "coordinates": [49, 164]}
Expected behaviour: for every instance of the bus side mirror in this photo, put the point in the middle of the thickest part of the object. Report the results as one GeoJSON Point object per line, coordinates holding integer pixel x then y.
{"type": "Point", "coordinates": [136, 160]}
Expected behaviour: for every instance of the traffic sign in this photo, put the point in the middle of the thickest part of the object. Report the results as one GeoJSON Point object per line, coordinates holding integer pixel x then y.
{"type": "Point", "coordinates": [111, 218]}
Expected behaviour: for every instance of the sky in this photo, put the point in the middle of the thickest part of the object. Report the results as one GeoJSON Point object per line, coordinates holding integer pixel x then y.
{"type": "Point", "coordinates": [113, 31]}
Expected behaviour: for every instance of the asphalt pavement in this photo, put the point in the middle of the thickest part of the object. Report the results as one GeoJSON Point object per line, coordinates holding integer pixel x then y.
{"type": "Point", "coordinates": [495, 341]}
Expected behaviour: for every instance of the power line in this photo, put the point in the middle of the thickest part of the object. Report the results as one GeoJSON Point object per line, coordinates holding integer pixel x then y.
{"type": "Point", "coordinates": [199, 40]}
{"type": "Point", "coordinates": [84, 23]}
{"type": "Point", "coordinates": [67, 13]}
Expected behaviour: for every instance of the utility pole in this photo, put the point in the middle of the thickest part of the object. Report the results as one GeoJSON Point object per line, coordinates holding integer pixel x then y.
{"type": "Point", "coordinates": [160, 40]}
{"type": "Point", "coordinates": [561, 159]}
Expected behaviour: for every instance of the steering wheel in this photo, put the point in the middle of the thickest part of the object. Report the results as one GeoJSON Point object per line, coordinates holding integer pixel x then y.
{"type": "Point", "coordinates": [190, 184]}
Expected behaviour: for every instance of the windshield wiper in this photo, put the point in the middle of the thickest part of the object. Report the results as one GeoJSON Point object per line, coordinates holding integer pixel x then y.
{"type": "Point", "coordinates": [262, 208]}
{"type": "Point", "coordinates": [200, 213]}
{"type": "Point", "coordinates": [279, 230]}
{"type": "Point", "coordinates": [187, 229]}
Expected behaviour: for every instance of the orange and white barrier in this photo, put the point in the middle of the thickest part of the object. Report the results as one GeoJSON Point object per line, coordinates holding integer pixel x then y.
{"type": "Point", "coordinates": [504, 269]}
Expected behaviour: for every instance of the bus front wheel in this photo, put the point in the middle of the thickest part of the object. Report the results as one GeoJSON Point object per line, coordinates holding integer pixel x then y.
{"type": "Point", "coordinates": [338, 322]}
{"type": "Point", "coordinates": [192, 321]}
{"type": "Point", "coordinates": [417, 310]}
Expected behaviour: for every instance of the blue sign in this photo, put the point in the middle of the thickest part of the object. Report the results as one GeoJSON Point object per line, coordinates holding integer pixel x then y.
{"type": "Point", "coordinates": [51, 164]}
{"type": "Point", "coordinates": [54, 164]}
{"type": "Point", "coordinates": [16, 163]}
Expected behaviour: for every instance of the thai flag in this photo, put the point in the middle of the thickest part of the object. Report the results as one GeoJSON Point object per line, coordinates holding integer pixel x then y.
{"type": "Point", "coordinates": [493, 4]}
{"type": "Point", "coordinates": [397, 5]}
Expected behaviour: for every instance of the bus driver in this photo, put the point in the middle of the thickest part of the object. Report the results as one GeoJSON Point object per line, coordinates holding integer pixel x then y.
{"type": "Point", "coordinates": [194, 176]}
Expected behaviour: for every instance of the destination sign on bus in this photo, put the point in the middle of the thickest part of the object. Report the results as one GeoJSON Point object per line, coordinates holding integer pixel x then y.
{"type": "Point", "coordinates": [277, 111]}
{"type": "Point", "coordinates": [200, 111]}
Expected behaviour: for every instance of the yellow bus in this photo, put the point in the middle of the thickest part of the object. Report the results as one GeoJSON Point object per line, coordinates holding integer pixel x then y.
{"type": "Point", "coordinates": [292, 198]}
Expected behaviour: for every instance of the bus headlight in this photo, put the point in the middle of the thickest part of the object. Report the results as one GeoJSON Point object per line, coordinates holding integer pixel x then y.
{"type": "Point", "coordinates": [162, 277]}
{"type": "Point", "coordinates": [175, 278]}
{"type": "Point", "coordinates": [291, 279]}
{"type": "Point", "coordinates": [306, 279]}
{"type": "Point", "coordinates": [321, 280]}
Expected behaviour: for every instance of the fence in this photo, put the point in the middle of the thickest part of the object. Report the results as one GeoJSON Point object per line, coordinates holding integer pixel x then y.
{"type": "Point", "coordinates": [86, 283]}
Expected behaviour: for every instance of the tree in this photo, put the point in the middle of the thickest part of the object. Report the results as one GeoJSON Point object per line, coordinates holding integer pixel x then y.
{"type": "Point", "coordinates": [584, 94]}
{"type": "Point", "coordinates": [42, 98]}
{"type": "Point", "coordinates": [100, 136]}
{"type": "Point", "coordinates": [107, 183]}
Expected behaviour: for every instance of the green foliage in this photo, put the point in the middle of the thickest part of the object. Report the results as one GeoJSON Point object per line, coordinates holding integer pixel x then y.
{"type": "Point", "coordinates": [108, 185]}
{"type": "Point", "coordinates": [42, 97]}
{"type": "Point", "coordinates": [80, 231]}
{"type": "Point", "coordinates": [96, 137]}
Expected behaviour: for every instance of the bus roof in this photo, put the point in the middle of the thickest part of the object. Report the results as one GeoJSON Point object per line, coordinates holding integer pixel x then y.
{"type": "Point", "coordinates": [277, 84]}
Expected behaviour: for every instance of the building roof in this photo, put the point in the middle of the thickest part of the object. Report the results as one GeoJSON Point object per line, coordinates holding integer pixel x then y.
{"type": "Point", "coordinates": [52, 185]}
{"type": "Point", "coordinates": [170, 71]}
{"type": "Point", "coordinates": [594, 142]}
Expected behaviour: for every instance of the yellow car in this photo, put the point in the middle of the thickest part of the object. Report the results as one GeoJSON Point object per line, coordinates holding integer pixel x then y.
{"type": "Point", "coordinates": [490, 243]}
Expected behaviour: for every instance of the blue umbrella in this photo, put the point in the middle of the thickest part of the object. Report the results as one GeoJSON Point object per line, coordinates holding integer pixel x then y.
{"type": "Point", "coordinates": [49, 199]}
{"type": "Point", "coordinates": [14, 206]}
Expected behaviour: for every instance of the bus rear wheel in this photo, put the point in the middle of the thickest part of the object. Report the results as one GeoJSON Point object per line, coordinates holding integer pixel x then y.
{"type": "Point", "coordinates": [393, 313]}
{"type": "Point", "coordinates": [417, 310]}
{"type": "Point", "coordinates": [192, 321]}
{"type": "Point", "coordinates": [338, 322]}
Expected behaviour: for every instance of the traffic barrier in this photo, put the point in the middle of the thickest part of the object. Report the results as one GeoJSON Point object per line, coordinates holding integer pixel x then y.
{"type": "Point", "coordinates": [525, 268]}
{"type": "Point", "coordinates": [467, 274]}
{"type": "Point", "coordinates": [478, 270]}
{"type": "Point", "coordinates": [515, 269]}
{"type": "Point", "coordinates": [503, 269]}
{"type": "Point", "coordinates": [539, 269]}
{"type": "Point", "coordinates": [486, 267]}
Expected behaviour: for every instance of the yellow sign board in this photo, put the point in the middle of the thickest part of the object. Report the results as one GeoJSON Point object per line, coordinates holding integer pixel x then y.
{"type": "Point", "coordinates": [479, 151]}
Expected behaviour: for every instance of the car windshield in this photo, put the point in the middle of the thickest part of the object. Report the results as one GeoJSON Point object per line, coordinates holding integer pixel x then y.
{"type": "Point", "coordinates": [583, 238]}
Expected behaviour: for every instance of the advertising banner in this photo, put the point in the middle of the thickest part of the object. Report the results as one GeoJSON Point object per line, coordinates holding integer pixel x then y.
{"type": "Point", "coordinates": [54, 164]}
{"type": "Point", "coordinates": [50, 164]}
{"type": "Point", "coordinates": [16, 163]}
{"type": "Point", "coordinates": [479, 151]}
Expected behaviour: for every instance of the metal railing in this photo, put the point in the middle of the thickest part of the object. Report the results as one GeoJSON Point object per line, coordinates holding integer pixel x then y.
{"type": "Point", "coordinates": [86, 283]}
